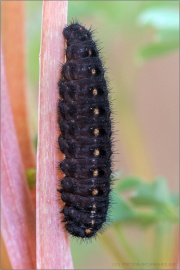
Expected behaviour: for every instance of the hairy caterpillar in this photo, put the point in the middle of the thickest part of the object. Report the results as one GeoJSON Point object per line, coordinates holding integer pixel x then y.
{"type": "Point", "coordinates": [85, 140]}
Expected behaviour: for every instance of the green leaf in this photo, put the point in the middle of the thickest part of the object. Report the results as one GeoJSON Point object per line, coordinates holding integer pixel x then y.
{"type": "Point", "coordinates": [121, 210]}
{"type": "Point", "coordinates": [157, 196]}
{"type": "Point", "coordinates": [153, 197]}
{"type": "Point", "coordinates": [150, 218]}
{"type": "Point", "coordinates": [160, 18]}
{"type": "Point", "coordinates": [154, 193]}
{"type": "Point", "coordinates": [165, 22]}
{"type": "Point", "coordinates": [146, 219]}
{"type": "Point", "coordinates": [31, 177]}
{"type": "Point", "coordinates": [175, 199]}
{"type": "Point", "coordinates": [128, 183]}
{"type": "Point", "coordinates": [157, 49]}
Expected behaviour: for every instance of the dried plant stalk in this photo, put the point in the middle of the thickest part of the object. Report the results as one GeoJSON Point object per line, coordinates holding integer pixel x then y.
{"type": "Point", "coordinates": [13, 41]}
{"type": "Point", "coordinates": [5, 262]}
{"type": "Point", "coordinates": [17, 210]}
{"type": "Point", "coordinates": [53, 250]}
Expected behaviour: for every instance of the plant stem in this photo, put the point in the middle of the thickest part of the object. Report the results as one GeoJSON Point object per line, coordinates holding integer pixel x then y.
{"type": "Point", "coordinates": [126, 245]}
{"type": "Point", "coordinates": [17, 210]}
{"type": "Point", "coordinates": [13, 42]}
{"type": "Point", "coordinates": [109, 244]}
{"type": "Point", "coordinates": [161, 230]}
{"type": "Point", "coordinates": [175, 258]}
{"type": "Point", "coordinates": [53, 249]}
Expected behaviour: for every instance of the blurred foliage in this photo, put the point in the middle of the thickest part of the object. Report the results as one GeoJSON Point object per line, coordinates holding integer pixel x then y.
{"type": "Point", "coordinates": [127, 18]}
{"type": "Point", "coordinates": [135, 18]}
{"type": "Point", "coordinates": [33, 11]}
{"type": "Point", "coordinates": [31, 178]}
{"type": "Point", "coordinates": [147, 29]}
{"type": "Point", "coordinates": [166, 39]}
{"type": "Point", "coordinates": [35, 142]}
{"type": "Point", "coordinates": [153, 197]}
{"type": "Point", "coordinates": [136, 204]}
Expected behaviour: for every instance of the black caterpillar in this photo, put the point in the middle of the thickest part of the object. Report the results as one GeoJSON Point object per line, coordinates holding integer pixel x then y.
{"type": "Point", "coordinates": [84, 120]}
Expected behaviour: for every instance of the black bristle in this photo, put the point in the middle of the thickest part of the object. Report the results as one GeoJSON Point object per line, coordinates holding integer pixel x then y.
{"type": "Point", "coordinates": [60, 190]}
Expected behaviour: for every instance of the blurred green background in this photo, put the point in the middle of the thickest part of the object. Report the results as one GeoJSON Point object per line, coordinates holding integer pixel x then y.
{"type": "Point", "coordinates": [140, 41]}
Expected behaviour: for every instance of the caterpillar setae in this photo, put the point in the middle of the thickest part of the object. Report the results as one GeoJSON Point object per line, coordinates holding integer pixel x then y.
{"type": "Point", "coordinates": [85, 140]}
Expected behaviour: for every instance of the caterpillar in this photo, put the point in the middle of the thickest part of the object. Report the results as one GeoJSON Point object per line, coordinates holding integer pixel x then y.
{"type": "Point", "coordinates": [85, 125]}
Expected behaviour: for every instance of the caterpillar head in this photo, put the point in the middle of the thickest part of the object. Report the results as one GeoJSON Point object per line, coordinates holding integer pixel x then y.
{"type": "Point", "coordinates": [75, 33]}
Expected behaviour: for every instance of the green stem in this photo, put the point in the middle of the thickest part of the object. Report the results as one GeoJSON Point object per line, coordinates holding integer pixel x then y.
{"type": "Point", "coordinates": [109, 244]}
{"type": "Point", "coordinates": [126, 245]}
{"type": "Point", "coordinates": [160, 244]}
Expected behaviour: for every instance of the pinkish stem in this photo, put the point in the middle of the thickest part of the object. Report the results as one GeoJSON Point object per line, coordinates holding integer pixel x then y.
{"type": "Point", "coordinates": [53, 249]}
{"type": "Point", "coordinates": [17, 210]}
